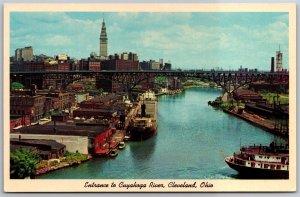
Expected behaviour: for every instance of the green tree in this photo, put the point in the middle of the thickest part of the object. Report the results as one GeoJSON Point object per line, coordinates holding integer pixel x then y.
{"type": "Point", "coordinates": [17, 86]}
{"type": "Point", "coordinates": [23, 163]}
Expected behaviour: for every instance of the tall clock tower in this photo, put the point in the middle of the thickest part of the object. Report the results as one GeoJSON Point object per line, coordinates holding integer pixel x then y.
{"type": "Point", "coordinates": [103, 41]}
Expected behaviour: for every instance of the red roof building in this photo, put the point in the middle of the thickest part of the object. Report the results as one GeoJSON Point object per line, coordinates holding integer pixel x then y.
{"type": "Point", "coordinates": [246, 95]}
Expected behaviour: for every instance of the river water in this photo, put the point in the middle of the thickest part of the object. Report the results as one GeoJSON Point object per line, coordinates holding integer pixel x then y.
{"type": "Point", "coordinates": [191, 143]}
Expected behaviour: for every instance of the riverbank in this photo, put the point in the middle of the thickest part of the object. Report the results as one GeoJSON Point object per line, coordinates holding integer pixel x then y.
{"type": "Point", "coordinates": [256, 121]}
{"type": "Point", "coordinates": [51, 165]}
{"type": "Point", "coordinates": [170, 92]}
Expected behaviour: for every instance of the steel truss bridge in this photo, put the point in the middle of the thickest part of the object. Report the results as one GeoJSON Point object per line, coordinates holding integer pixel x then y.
{"type": "Point", "coordinates": [225, 79]}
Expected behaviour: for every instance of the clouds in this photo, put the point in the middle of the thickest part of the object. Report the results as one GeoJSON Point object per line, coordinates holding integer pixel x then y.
{"type": "Point", "coordinates": [191, 40]}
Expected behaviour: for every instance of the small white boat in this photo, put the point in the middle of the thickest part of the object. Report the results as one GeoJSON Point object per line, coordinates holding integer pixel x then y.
{"type": "Point", "coordinates": [122, 145]}
{"type": "Point", "coordinates": [127, 137]}
{"type": "Point", "coordinates": [113, 153]}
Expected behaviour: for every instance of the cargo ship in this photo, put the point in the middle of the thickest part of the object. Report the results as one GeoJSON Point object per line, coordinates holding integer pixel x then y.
{"type": "Point", "coordinates": [261, 161]}
{"type": "Point", "coordinates": [144, 124]}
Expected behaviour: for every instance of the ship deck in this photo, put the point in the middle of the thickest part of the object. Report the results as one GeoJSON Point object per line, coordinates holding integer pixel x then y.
{"type": "Point", "coordinates": [239, 156]}
{"type": "Point", "coordinates": [264, 150]}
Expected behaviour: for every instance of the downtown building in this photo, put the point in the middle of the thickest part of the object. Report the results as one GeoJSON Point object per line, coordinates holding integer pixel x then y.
{"type": "Point", "coordinates": [125, 61]}
{"type": "Point", "coordinates": [24, 54]}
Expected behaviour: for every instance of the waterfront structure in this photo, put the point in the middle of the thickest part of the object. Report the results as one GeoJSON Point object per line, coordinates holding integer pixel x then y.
{"type": "Point", "coordinates": [261, 161]}
{"type": "Point", "coordinates": [247, 96]}
{"type": "Point", "coordinates": [47, 149]}
{"type": "Point", "coordinates": [104, 107]}
{"type": "Point", "coordinates": [77, 138]}
{"type": "Point", "coordinates": [24, 54]}
{"type": "Point", "coordinates": [103, 41]}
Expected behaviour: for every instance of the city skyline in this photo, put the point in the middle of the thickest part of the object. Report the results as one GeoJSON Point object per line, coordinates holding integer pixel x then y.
{"type": "Point", "coordinates": [188, 40]}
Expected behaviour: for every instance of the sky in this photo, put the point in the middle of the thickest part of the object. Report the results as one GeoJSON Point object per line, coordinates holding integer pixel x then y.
{"type": "Point", "coordinates": [189, 40]}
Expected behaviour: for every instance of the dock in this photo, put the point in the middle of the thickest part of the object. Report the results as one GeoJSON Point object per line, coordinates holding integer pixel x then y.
{"type": "Point", "coordinates": [258, 122]}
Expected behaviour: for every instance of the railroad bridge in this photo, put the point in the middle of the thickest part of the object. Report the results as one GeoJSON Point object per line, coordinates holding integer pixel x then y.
{"type": "Point", "coordinates": [225, 79]}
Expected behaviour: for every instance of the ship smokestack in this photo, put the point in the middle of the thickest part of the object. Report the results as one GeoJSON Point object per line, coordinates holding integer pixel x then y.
{"type": "Point", "coordinates": [143, 113]}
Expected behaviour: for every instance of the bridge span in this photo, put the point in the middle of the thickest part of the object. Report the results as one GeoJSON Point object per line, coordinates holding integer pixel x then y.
{"type": "Point", "coordinates": [131, 78]}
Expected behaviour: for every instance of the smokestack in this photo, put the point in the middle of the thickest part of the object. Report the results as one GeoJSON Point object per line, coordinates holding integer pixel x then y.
{"type": "Point", "coordinates": [143, 113]}
{"type": "Point", "coordinates": [272, 64]}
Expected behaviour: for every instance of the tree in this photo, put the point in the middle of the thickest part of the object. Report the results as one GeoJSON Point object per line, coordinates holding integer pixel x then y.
{"type": "Point", "coordinates": [17, 86]}
{"type": "Point", "coordinates": [23, 163]}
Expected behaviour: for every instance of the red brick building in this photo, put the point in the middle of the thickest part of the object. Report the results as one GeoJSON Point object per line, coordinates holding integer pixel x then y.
{"type": "Point", "coordinates": [32, 105]}
{"type": "Point", "coordinates": [94, 65]}
{"type": "Point", "coordinates": [107, 107]}
{"type": "Point", "coordinates": [246, 95]}
{"type": "Point", "coordinates": [33, 66]}
{"type": "Point", "coordinates": [58, 100]}
{"type": "Point", "coordinates": [19, 121]}
{"type": "Point", "coordinates": [119, 64]}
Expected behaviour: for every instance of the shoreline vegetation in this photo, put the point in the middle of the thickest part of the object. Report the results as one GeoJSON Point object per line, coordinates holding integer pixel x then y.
{"type": "Point", "coordinates": [69, 159]}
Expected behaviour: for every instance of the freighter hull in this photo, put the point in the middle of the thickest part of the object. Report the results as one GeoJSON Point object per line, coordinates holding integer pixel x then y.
{"type": "Point", "coordinates": [140, 134]}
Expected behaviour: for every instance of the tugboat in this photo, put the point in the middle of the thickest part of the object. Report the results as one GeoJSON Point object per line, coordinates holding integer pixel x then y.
{"type": "Point", "coordinates": [261, 161]}
{"type": "Point", "coordinates": [144, 124]}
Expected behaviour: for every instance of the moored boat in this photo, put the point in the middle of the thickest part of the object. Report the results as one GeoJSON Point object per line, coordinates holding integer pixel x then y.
{"type": "Point", "coordinates": [127, 137]}
{"type": "Point", "coordinates": [121, 145]}
{"type": "Point", "coordinates": [261, 161]}
{"type": "Point", "coordinates": [113, 153]}
{"type": "Point", "coordinates": [144, 124]}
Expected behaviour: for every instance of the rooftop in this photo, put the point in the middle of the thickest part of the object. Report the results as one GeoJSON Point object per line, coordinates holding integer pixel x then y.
{"type": "Point", "coordinates": [36, 142]}
{"type": "Point", "coordinates": [62, 129]}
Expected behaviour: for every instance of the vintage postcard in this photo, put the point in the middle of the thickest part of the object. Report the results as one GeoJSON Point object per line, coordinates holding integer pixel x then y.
{"type": "Point", "coordinates": [149, 97]}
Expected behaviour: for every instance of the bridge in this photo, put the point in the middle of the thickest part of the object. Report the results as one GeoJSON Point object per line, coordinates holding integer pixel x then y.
{"type": "Point", "coordinates": [225, 79]}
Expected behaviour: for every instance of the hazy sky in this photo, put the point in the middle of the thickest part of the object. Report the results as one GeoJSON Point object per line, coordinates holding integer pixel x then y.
{"type": "Point", "coordinates": [188, 40]}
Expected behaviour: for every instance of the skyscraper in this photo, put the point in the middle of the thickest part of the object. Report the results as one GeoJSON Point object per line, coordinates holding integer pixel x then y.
{"type": "Point", "coordinates": [103, 41]}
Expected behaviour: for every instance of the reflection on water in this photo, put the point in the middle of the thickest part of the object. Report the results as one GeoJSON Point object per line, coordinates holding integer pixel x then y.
{"type": "Point", "coordinates": [191, 143]}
